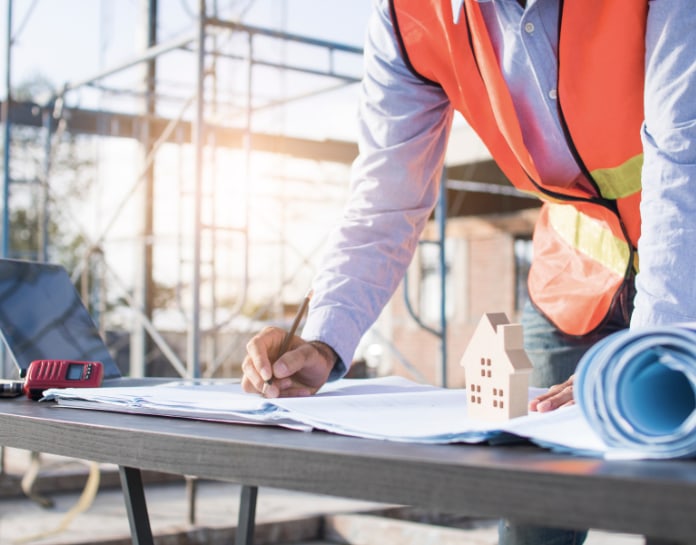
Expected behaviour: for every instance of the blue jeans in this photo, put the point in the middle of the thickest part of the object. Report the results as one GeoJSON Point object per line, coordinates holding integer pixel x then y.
{"type": "Point", "coordinates": [555, 356]}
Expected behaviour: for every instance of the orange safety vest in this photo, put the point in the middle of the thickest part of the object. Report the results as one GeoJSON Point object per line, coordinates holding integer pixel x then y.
{"type": "Point", "coordinates": [585, 238]}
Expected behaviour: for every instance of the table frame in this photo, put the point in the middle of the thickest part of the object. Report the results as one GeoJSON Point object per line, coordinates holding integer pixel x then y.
{"type": "Point", "coordinates": [520, 482]}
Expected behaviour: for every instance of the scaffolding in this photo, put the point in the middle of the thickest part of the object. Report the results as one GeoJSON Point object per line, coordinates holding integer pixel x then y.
{"type": "Point", "coordinates": [206, 137]}
{"type": "Point", "coordinates": [203, 143]}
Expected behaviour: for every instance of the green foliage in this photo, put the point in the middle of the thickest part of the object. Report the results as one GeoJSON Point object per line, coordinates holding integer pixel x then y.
{"type": "Point", "coordinates": [42, 177]}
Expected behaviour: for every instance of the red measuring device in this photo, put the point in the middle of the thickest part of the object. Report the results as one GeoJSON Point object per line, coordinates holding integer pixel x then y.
{"type": "Point", "coordinates": [44, 374]}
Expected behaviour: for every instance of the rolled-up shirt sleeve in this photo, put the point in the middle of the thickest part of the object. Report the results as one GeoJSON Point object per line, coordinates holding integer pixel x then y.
{"type": "Point", "coordinates": [666, 288]}
{"type": "Point", "coordinates": [404, 125]}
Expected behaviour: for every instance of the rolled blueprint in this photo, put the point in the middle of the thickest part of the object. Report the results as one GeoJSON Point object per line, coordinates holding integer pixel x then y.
{"type": "Point", "coordinates": [636, 390]}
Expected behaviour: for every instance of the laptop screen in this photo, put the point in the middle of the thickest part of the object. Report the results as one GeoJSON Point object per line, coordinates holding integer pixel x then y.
{"type": "Point", "coordinates": [43, 317]}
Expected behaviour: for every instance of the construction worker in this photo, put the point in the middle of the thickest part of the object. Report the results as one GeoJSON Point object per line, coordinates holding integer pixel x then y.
{"type": "Point", "coordinates": [591, 105]}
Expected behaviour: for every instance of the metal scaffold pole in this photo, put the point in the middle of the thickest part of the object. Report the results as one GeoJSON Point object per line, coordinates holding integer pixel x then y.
{"type": "Point", "coordinates": [194, 367]}
{"type": "Point", "coordinates": [6, 137]}
{"type": "Point", "coordinates": [441, 218]}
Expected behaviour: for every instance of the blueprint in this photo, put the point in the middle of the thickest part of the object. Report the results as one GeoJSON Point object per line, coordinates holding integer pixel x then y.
{"type": "Point", "coordinates": [388, 408]}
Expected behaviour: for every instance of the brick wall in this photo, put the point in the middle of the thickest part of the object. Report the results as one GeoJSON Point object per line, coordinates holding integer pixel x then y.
{"type": "Point", "coordinates": [481, 262]}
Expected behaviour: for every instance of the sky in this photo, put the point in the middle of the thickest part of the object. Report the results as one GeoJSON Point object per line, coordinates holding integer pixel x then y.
{"type": "Point", "coordinates": [72, 40]}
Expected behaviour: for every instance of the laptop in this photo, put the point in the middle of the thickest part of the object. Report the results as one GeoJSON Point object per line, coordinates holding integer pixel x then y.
{"type": "Point", "coordinates": [43, 317]}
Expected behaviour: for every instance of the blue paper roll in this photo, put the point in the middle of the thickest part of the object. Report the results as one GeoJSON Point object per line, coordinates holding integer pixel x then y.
{"type": "Point", "coordinates": [637, 390]}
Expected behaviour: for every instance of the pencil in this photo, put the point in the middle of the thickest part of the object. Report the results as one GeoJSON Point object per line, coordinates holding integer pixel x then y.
{"type": "Point", "coordinates": [293, 328]}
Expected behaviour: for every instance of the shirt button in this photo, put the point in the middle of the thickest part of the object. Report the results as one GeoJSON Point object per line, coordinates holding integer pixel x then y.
{"type": "Point", "coordinates": [529, 28]}
{"type": "Point", "coordinates": [553, 94]}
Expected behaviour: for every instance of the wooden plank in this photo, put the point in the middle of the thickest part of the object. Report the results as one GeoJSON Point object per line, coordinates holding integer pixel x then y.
{"type": "Point", "coordinates": [123, 125]}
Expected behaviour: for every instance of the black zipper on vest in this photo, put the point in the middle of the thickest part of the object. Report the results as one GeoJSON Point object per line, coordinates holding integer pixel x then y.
{"type": "Point", "coordinates": [610, 204]}
{"type": "Point", "coordinates": [607, 203]}
{"type": "Point", "coordinates": [544, 191]}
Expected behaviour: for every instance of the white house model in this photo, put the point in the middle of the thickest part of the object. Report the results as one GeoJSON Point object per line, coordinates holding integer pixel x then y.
{"type": "Point", "coordinates": [497, 370]}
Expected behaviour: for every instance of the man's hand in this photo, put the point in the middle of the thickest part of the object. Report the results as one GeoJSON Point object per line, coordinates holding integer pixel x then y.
{"type": "Point", "coordinates": [560, 395]}
{"type": "Point", "coordinates": [301, 371]}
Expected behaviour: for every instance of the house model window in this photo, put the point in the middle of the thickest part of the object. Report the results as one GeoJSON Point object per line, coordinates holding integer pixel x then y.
{"type": "Point", "coordinates": [497, 370]}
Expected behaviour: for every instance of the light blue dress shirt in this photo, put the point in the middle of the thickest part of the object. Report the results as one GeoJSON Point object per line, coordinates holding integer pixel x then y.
{"type": "Point", "coordinates": [404, 125]}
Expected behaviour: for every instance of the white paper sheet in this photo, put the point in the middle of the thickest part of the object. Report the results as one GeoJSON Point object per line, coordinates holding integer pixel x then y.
{"type": "Point", "coordinates": [388, 408]}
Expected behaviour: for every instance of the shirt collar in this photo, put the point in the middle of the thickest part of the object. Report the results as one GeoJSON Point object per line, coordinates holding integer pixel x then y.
{"type": "Point", "coordinates": [457, 10]}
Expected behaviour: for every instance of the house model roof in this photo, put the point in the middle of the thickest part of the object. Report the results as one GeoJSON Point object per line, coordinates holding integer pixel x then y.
{"type": "Point", "coordinates": [497, 336]}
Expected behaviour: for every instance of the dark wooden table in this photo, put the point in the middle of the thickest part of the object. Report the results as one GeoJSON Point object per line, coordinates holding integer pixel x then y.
{"type": "Point", "coordinates": [653, 498]}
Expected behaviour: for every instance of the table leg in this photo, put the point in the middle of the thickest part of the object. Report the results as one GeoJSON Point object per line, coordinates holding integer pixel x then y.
{"type": "Point", "coordinates": [247, 516]}
{"type": "Point", "coordinates": [191, 492]}
{"type": "Point", "coordinates": [134, 496]}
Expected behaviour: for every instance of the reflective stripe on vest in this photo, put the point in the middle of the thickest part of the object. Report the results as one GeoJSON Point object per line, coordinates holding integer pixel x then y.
{"type": "Point", "coordinates": [589, 237]}
{"type": "Point", "coordinates": [621, 181]}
